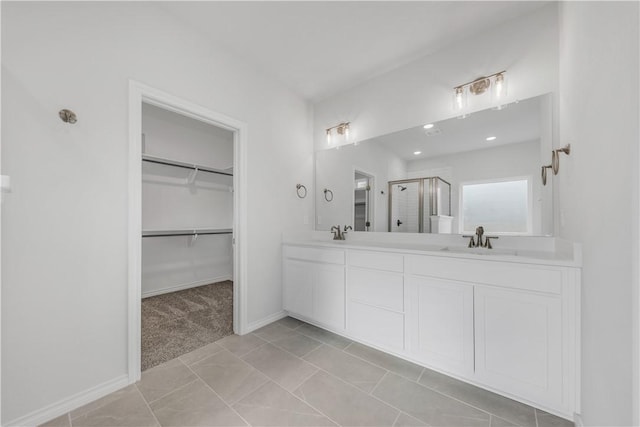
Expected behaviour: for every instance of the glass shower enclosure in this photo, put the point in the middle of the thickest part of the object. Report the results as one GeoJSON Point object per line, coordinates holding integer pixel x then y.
{"type": "Point", "coordinates": [420, 205]}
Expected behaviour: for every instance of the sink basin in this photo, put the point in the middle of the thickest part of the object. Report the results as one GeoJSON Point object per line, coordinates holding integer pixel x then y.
{"type": "Point", "coordinates": [479, 251]}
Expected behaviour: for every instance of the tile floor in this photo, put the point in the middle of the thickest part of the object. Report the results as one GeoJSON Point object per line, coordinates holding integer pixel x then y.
{"type": "Point", "coordinates": [290, 373]}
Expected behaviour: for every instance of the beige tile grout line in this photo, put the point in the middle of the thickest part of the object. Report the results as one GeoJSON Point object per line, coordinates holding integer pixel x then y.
{"type": "Point", "coordinates": [386, 403]}
{"type": "Point", "coordinates": [233, 402]}
{"type": "Point", "coordinates": [396, 420]}
{"type": "Point", "coordinates": [219, 397]}
{"type": "Point", "coordinates": [535, 411]}
{"type": "Point", "coordinates": [378, 383]}
{"type": "Point", "coordinates": [147, 404]}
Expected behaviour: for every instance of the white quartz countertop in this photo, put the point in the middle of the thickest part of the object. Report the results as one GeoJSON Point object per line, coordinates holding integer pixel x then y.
{"type": "Point", "coordinates": [567, 258]}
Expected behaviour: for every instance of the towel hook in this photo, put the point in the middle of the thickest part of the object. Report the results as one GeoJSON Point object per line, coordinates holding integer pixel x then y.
{"type": "Point", "coordinates": [544, 174]}
{"type": "Point", "coordinates": [328, 195]}
{"type": "Point", "coordinates": [555, 157]}
{"type": "Point", "coordinates": [301, 187]}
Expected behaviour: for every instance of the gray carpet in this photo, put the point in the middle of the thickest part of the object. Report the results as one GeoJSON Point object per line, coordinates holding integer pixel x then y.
{"type": "Point", "coordinates": [179, 322]}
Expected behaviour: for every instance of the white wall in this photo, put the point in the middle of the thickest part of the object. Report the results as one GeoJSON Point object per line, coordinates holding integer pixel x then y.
{"type": "Point", "coordinates": [598, 193]}
{"type": "Point", "coordinates": [64, 240]}
{"type": "Point", "coordinates": [421, 92]}
{"type": "Point", "coordinates": [335, 171]}
{"type": "Point", "coordinates": [504, 161]}
{"type": "Point", "coordinates": [171, 201]}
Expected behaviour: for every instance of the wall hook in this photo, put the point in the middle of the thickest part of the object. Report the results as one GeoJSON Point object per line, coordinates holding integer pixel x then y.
{"type": "Point", "coordinates": [555, 157]}
{"type": "Point", "coordinates": [67, 116]}
{"type": "Point", "coordinates": [328, 195]}
{"type": "Point", "coordinates": [544, 174]}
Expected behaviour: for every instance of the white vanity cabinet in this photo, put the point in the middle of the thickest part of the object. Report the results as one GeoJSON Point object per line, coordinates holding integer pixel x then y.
{"type": "Point", "coordinates": [375, 298]}
{"type": "Point", "coordinates": [500, 324]}
{"type": "Point", "coordinates": [508, 324]}
{"type": "Point", "coordinates": [440, 324]}
{"type": "Point", "coordinates": [314, 281]}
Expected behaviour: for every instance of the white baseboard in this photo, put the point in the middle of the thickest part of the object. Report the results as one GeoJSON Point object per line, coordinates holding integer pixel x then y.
{"type": "Point", "coordinates": [577, 420]}
{"type": "Point", "coordinates": [264, 322]}
{"type": "Point", "coordinates": [70, 403]}
{"type": "Point", "coordinates": [184, 286]}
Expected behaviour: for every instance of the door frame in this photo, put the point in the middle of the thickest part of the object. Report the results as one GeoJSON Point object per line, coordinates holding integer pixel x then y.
{"type": "Point", "coordinates": [138, 94]}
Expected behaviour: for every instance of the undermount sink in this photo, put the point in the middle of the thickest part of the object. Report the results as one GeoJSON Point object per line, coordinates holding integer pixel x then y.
{"type": "Point", "coordinates": [479, 251]}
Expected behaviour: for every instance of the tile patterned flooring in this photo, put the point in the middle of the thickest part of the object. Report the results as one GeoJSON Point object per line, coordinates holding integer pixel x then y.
{"type": "Point", "coordinates": [290, 373]}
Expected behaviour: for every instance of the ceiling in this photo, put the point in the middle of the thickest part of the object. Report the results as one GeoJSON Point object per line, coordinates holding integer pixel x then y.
{"type": "Point", "coordinates": [318, 48]}
{"type": "Point", "coordinates": [519, 122]}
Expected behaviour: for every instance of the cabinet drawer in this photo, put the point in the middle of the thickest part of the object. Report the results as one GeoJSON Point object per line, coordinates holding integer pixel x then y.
{"type": "Point", "coordinates": [376, 325]}
{"type": "Point", "coordinates": [376, 261]}
{"type": "Point", "coordinates": [519, 276]}
{"type": "Point", "coordinates": [377, 288]}
{"type": "Point", "coordinates": [332, 256]}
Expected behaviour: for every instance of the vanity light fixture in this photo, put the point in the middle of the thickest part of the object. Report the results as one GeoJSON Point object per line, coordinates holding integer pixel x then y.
{"type": "Point", "coordinates": [341, 129]}
{"type": "Point", "coordinates": [491, 138]}
{"type": "Point", "coordinates": [417, 152]}
{"type": "Point", "coordinates": [478, 87]}
{"type": "Point", "coordinates": [428, 126]}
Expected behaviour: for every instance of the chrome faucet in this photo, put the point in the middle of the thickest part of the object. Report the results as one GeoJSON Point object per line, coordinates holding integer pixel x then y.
{"type": "Point", "coordinates": [338, 234]}
{"type": "Point", "coordinates": [479, 243]}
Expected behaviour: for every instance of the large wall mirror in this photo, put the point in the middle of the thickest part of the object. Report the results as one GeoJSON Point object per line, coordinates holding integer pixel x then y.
{"type": "Point", "coordinates": [444, 177]}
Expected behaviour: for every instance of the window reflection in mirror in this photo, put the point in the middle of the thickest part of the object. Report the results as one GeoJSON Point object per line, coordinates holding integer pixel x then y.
{"type": "Point", "coordinates": [502, 206]}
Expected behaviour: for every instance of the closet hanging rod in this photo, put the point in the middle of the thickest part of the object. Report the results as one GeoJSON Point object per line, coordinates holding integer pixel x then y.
{"type": "Point", "coordinates": [163, 161]}
{"type": "Point", "coordinates": [167, 233]}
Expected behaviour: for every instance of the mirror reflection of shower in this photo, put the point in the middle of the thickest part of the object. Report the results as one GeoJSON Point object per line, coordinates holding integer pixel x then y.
{"type": "Point", "coordinates": [362, 220]}
{"type": "Point", "coordinates": [420, 205]}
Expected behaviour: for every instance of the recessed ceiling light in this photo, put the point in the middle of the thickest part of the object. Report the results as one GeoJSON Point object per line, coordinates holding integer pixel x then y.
{"type": "Point", "coordinates": [429, 126]}
{"type": "Point", "coordinates": [491, 138]}
{"type": "Point", "coordinates": [417, 152]}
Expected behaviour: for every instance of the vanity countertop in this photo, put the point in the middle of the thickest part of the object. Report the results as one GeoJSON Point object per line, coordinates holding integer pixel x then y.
{"type": "Point", "coordinates": [566, 258]}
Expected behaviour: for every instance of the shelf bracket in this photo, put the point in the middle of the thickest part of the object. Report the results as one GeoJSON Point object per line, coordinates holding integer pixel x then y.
{"type": "Point", "coordinates": [192, 175]}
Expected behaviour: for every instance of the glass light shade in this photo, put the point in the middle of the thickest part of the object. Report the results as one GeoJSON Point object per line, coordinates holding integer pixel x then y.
{"type": "Point", "coordinates": [459, 99]}
{"type": "Point", "coordinates": [328, 136]}
{"type": "Point", "coordinates": [499, 90]}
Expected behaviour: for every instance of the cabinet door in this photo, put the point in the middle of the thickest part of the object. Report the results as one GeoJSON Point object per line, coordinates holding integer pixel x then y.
{"type": "Point", "coordinates": [328, 295]}
{"type": "Point", "coordinates": [298, 287]}
{"type": "Point", "coordinates": [518, 343]}
{"type": "Point", "coordinates": [441, 323]}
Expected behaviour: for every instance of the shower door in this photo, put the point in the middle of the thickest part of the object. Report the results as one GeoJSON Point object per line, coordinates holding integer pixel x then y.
{"type": "Point", "coordinates": [404, 206]}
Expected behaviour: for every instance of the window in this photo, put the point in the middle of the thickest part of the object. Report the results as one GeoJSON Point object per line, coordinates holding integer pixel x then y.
{"type": "Point", "coordinates": [500, 206]}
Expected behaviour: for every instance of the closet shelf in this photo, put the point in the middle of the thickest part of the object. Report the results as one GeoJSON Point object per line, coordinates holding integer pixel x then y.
{"type": "Point", "coordinates": [179, 164]}
{"type": "Point", "coordinates": [186, 232]}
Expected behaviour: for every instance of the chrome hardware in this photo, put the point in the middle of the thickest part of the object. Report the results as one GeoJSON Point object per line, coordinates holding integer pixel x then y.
{"type": "Point", "coordinates": [301, 190]}
{"type": "Point", "coordinates": [328, 195]}
{"type": "Point", "coordinates": [67, 116]}
{"type": "Point", "coordinates": [479, 243]}
{"type": "Point", "coordinates": [544, 174]}
{"type": "Point", "coordinates": [555, 157]}
{"type": "Point", "coordinates": [487, 241]}
{"type": "Point", "coordinates": [338, 234]}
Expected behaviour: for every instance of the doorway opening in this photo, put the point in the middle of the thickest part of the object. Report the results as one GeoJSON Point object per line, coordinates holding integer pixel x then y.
{"type": "Point", "coordinates": [186, 251]}
{"type": "Point", "coordinates": [362, 201]}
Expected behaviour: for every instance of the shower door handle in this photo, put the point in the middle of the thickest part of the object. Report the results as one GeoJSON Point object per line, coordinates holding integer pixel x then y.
{"type": "Point", "coordinates": [398, 223]}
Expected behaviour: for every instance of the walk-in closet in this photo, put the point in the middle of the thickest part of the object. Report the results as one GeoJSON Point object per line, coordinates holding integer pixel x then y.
{"type": "Point", "coordinates": [187, 237]}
